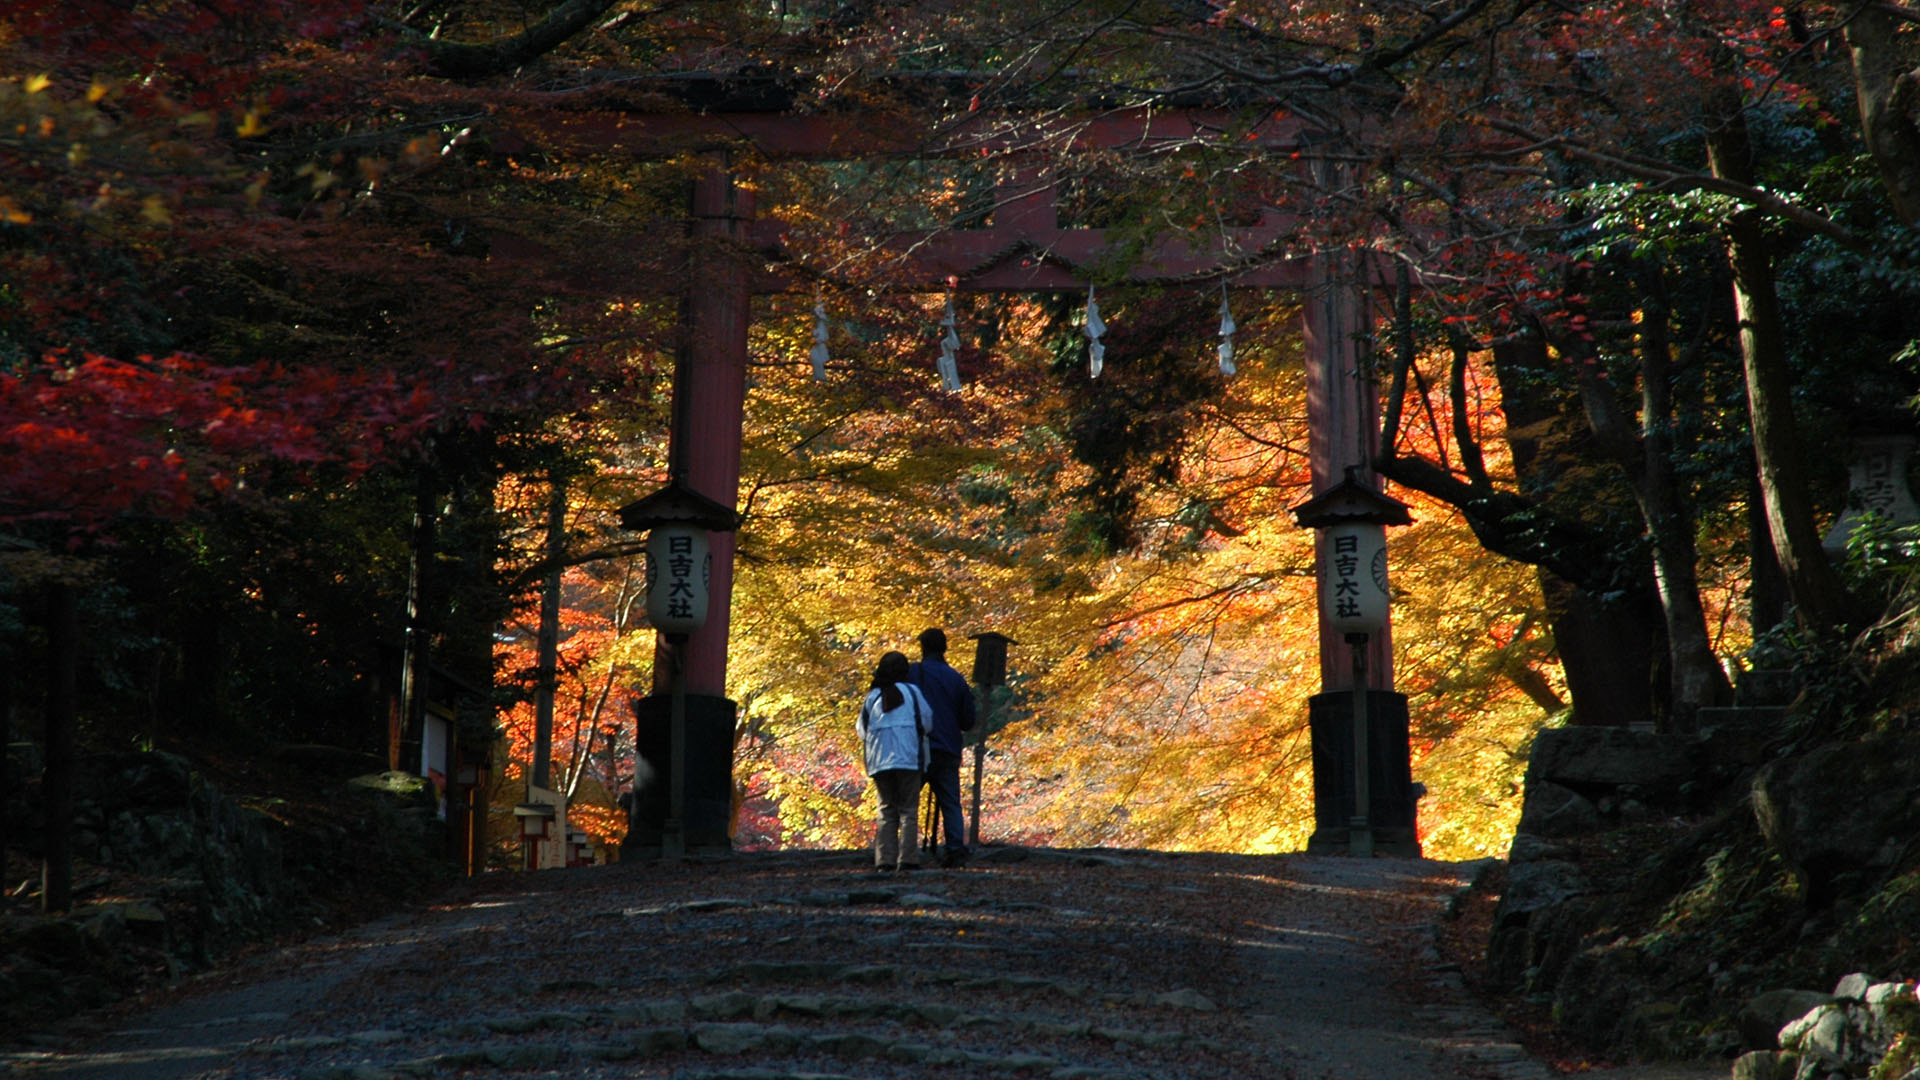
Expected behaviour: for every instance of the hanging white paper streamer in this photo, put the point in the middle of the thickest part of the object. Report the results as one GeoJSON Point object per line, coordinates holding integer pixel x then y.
{"type": "Point", "coordinates": [1226, 335]}
{"type": "Point", "coordinates": [1096, 352]}
{"type": "Point", "coordinates": [949, 348]}
{"type": "Point", "coordinates": [819, 353]}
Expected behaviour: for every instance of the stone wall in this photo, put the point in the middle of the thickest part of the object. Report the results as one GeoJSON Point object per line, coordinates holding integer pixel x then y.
{"type": "Point", "coordinates": [1580, 781]}
{"type": "Point", "coordinates": [1672, 896]}
{"type": "Point", "coordinates": [170, 874]}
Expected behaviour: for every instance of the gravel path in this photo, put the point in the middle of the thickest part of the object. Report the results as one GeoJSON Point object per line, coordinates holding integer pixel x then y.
{"type": "Point", "coordinates": [1027, 963]}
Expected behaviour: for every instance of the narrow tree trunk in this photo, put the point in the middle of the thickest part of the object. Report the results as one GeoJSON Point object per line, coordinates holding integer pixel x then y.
{"type": "Point", "coordinates": [548, 672]}
{"type": "Point", "coordinates": [415, 665]}
{"type": "Point", "coordinates": [1767, 592]}
{"type": "Point", "coordinates": [56, 785]}
{"type": "Point", "coordinates": [9, 663]}
{"type": "Point", "coordinates": [1698, 680]}
{"type": "Point", "coordinates": [468, 596]}
{"type": "Point", "coordinates": [1819, 597]}
{"type": "Point", "coordinates": [1644, 451]}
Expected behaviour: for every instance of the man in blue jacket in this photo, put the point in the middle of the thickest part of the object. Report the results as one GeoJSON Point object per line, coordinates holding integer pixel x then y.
{"type": "Point", "coordinates": [946, 690]}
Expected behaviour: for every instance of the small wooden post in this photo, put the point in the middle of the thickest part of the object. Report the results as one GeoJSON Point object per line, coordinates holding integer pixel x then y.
{"type": "Point", "coordinates": [989, 671]}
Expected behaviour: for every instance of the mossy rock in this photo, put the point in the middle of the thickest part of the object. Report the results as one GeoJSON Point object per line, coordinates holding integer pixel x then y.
{"type": "Point", "coordinates": [1844, 808]}
{"type": "Point", "coordinates": [399, 786]}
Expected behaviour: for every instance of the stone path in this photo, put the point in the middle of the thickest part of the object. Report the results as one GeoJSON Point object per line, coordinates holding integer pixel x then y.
{"type": "Point", "coordinates": [1028, 963]}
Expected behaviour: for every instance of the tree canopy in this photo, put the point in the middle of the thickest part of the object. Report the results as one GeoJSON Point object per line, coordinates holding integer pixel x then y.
{"type": "Point", "coordinates": [308, 310]}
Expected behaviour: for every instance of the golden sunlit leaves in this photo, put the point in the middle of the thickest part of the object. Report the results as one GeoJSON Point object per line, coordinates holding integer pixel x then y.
{"type": "Point", "coordinates": [1160, 693]}
{"type": "Point", "coordinates": [127, 165]}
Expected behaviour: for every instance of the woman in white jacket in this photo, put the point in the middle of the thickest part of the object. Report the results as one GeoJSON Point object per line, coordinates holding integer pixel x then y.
{"type": "Point", "coordinates": [893, 725]}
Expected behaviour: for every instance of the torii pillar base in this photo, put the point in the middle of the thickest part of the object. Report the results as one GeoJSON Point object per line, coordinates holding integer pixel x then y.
{"type": "Point", "coordinates": [1392, 800]}
{"type": "Point", "coordinates": [709, 776]}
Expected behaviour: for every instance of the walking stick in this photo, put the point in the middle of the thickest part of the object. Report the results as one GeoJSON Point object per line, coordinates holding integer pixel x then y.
{"type": "Point", "coordinates": [930, 817]}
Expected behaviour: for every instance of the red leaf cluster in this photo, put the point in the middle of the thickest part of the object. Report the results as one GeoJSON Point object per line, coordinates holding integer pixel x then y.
{"type": "Point", "coordinates": [84, 443]}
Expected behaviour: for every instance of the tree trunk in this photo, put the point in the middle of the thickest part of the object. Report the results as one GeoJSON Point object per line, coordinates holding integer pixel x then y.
{"type": "Point", "coordinates": [56, 785]}
{"type": "Point", "coordinates": [1888, 91]}
{"type": "Point", "coordinates": [468, 596]}
{"type": "Point", "coordinates": [1698, 680]}
{"type": "Point", "coordinates": [1612, 650]}
{"type": "Point", "coordinates": [1644, 451]}
{"type": "Point", "coordinates": [1767, 591]}
{"type": "Point", "coordinates": [1819, 597]}
{"type": "Point", "coordinates": [548, 672]}
{"type": "Point", "coordinates": [416, 664]}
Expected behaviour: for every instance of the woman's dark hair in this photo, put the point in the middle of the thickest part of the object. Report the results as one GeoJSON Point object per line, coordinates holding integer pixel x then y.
{"type": "Point", "coordinates": [887, 677]}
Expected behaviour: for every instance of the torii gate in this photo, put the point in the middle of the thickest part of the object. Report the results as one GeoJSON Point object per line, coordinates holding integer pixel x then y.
{"type": "Point", "coordinates": [1024, 249]}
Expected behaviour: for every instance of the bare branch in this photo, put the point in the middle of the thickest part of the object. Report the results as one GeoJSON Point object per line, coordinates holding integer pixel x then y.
{"type": "Point", "coordinates": [465, 60]}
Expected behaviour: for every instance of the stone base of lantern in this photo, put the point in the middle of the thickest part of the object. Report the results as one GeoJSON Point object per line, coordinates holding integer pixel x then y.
{"type": "Point", "coordinates": [1392, 799]}
{"type": "Point", "coordinates": [709, 775]}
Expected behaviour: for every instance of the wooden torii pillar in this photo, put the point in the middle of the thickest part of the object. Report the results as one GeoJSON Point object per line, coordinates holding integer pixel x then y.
{"type": "Point", "coordinates": [709, 398]}
{"type": "Point", "coordinates": [1343, 433]}
{"type": "Point", "coordinates": [709, 410]}
{"type": "Point", "coordinates": [1025, 249]}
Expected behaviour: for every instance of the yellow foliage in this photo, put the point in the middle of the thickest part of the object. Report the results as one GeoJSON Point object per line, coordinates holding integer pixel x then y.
{"type": "Point", "coordinates": [1161, 692]}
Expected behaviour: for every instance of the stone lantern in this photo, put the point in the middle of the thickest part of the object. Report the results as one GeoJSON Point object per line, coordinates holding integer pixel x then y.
{"type": "Point", "coordinates": [1876, 487]}
{"type": "Point", "coordinates": [1364, 799]}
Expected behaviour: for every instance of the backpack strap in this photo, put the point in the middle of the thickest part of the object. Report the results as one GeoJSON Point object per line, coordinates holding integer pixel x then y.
{"type": "Point", "coordinates": [920, 728]}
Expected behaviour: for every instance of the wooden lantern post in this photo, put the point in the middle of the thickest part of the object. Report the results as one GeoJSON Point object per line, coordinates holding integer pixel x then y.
{"type": "Point", "coordinates": [989, 671]}
{"type": "Point", "coordinates": [678, 521]}
{"type": "Point", "coordinates": [1354, 603]}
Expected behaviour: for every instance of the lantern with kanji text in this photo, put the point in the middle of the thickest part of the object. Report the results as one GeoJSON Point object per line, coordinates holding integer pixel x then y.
{"type": "Point", "coordinates": [677, 520]}
{"type": "Point", "coordinates": [679, 571]}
